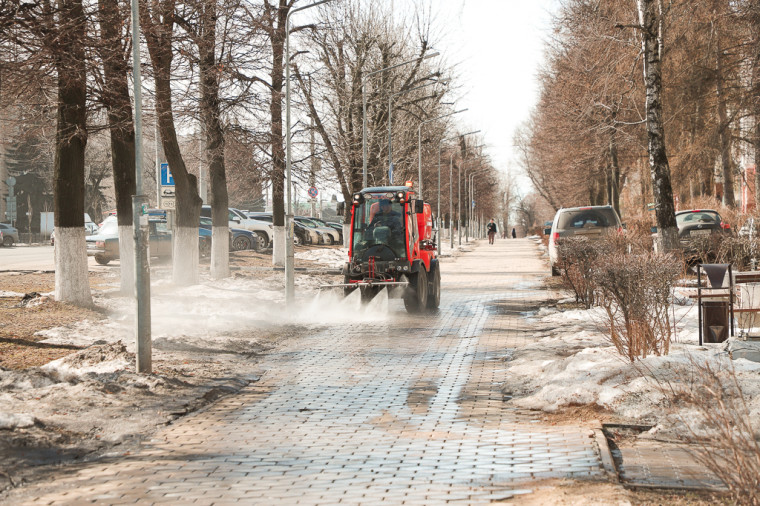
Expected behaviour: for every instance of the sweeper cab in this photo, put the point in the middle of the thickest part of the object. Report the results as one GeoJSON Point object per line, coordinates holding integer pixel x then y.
{"type": "Point", "coordinates": [392, 247]}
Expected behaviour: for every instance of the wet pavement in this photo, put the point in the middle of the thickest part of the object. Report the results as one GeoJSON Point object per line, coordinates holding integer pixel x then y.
{"type": "Point", "coordinates": [405, 410]}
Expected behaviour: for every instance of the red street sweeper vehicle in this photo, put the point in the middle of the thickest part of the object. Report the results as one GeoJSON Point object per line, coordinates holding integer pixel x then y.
{"type": "Point", "coordinates": [392, 246]}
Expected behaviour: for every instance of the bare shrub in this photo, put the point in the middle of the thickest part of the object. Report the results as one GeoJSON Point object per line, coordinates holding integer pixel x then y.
{"type": "Point", "coordinates": [639, 233]}
{"type": "Point", "coordinates": [635, 291]}
{"type": "Point", "coordinates": [725, 439]}
{"type": "Point", "coordinates": [577, 256]}
{"type": "Point", "coordinates": [741, 252]}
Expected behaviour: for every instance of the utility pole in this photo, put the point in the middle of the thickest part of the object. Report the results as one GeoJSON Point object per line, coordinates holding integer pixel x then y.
{"type": "Point", "coordinates": [140, 218]}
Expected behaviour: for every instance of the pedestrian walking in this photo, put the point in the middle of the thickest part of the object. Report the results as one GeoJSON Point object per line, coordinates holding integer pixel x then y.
{"type": "Point", "coordinates": [514, 233]}
{"type": "Point", "coordinates": [491, 231]}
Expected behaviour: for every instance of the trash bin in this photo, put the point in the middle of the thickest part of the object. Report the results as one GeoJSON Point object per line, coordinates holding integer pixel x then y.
{"type": "Point", "coordinates": [715, 321]}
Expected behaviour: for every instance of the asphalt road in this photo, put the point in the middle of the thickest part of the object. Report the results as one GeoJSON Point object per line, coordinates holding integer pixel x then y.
{"type": "Point", "coordinates": [33, 258]}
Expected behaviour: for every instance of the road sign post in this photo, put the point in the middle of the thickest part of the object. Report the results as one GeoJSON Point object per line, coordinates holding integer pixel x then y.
{"type": "Point", "coordinates": [167, 191]}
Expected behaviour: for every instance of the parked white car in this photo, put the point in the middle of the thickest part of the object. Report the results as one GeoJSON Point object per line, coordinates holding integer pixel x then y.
{"type": "Point", "coordinates": [237, 219]}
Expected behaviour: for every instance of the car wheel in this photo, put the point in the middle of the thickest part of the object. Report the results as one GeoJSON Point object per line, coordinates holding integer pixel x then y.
{"type": "Point", "coordinates": [328, 239]}
{"type": "Point", "coordinates": [262, 241]}
{"type": "Point", "coordinates": [241, 242]}
{"type": "Point", "coordinates": [102, 260]}
{"type": "Point", "coordinates": [434, 286]}
{"type": "Point", "coordinates": [8, 242]}
{"type": "Point", "coordinates": [415, 300]}
{"type": "Point", "coordinates": [297, 240]}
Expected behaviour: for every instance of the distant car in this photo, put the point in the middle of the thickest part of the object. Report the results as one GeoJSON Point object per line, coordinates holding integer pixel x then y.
{"type": "Point", "coordinates": [240, 239]}
{"type": "Point", "coordinates": [104, 245]}
{"type": "Point", "coordinates": [239, 220]}
{"type": "Point", "coordinates": [700, 223]}
{"type": "Point", "coordinates": [337, 227]}
{"type": "Point", "coordinates": [329, 234]}
{"type": "Point", "coordinates": [591, 222]}
{"type": "Point", "coordinates": [699, 231]}
{"type": "Point", "coordinates": [9, 235]}
{"type": "Point", "coordinates": [301, 234]}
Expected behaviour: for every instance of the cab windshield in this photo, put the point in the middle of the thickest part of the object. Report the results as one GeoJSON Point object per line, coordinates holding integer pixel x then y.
{"type": "Point", "coordinates": [379, 229]}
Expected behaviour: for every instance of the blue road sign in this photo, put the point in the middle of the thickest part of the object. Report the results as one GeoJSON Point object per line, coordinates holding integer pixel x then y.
{"type": "Point", "coordinates": [166, 175]}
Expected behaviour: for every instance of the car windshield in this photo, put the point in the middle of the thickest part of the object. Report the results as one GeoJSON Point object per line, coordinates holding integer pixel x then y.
{"type": "Point", "coordinates": [379, 228]}
{"type": "Point", "coordinates": [586, 218]}
{"type": "Point", "coordinates": [697, 217]}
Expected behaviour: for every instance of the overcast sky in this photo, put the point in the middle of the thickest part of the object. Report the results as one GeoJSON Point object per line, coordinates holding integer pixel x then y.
{"type": "Point", "coordinates": [498, 46]}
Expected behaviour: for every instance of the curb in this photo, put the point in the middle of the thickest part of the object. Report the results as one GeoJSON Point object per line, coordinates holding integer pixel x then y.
{"type": "Point", "coordinates": [608, 462]}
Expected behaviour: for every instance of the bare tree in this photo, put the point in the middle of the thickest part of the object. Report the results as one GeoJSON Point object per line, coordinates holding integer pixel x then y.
{"type": "Point", "coordinates": [651, 19]}
{"type": "Point", "coordinates": [158, 22]}
{"type": "Point", "coordinates": [115, 97]}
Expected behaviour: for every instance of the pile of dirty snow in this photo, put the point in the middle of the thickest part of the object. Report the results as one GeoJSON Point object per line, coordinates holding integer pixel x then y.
{"type": "Point", "coordinates": [571, 362]}
{"type": "Point", "coordinates": [333, 258]}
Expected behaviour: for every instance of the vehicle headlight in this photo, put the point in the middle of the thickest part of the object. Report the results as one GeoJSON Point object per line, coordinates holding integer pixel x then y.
{"type": "Point", "coordinates": [406, 267]}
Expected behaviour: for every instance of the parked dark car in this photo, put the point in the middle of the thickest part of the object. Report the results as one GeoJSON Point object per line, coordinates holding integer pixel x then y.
{"type": "Point", "coordinates": [240, 239]}
{"type": "Point", "coordinates": [700, 223]}
{"type": "Point", "coordinates": [9, 235]}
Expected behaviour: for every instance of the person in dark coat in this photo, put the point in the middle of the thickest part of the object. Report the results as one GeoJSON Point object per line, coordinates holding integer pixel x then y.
{"type": "Point", "coordinates": [514, 233]}
{"type": "Point", "coordinates": [491, 231]}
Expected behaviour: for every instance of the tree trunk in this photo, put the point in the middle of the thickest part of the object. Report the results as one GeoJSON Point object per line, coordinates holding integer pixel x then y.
{"type": "Point", "coordinates": [650, 18]}
{"type": "Point", "coordinates": [117, 102]}
{"type": "Point", "coordinates": [158, 36]}
{"type": "Point", "coordinates": [614, 170]}
{"type": "Point", "coordinates": [210, 114]}
{"type": "Point", "coordinates": [71, 275]}
{"type": "Point", "coordinates": [724, 132]}
{"type": "Point", "coordinates": [277, 139]}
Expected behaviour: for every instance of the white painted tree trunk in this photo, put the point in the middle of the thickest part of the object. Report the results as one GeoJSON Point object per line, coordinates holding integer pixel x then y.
{"type": "Point", "coordinates": [72, 284]}
{"type": "Point", "coordinates": [278, 247]}
{"type": "Point", "coordinates": [220, 252]}
{"type": "Point", "coordinates": [346, 234]}
{"type": "Point", "coordinates": [185, 256]}
{"type": "Point", "coordinates": [127, 259]}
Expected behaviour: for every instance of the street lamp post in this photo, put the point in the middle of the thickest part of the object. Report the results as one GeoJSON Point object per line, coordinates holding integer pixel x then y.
{"type": "Point", "coordinates": [470, 180]}
{"type": "Point", "coordinates": [451, 163]}
{"type": "Point", "coordinates": [467, 193]}
{"type": "Point", "coordinates": [364, 102]}
{"type": "Point", "coordinates": [143, 343]}
{"type": "Point", "coordinates": [459, 210]}
{"type": "Point", "coordinates": [390, 122]}
{"type": "Point", "coordinates": [289, 254]}
{"type": "Point", "coordinates": [419, 147]}
{"type": "Point", "coordinates": [451, 195]}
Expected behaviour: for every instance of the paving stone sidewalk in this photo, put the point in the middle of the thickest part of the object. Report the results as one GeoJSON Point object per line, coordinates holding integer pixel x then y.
{"type": "Point", "coordinates": [407, 410]}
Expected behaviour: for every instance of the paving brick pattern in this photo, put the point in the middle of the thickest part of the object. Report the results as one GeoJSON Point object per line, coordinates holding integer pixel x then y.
{"type": "Point", "coordinates": [405, 411]}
